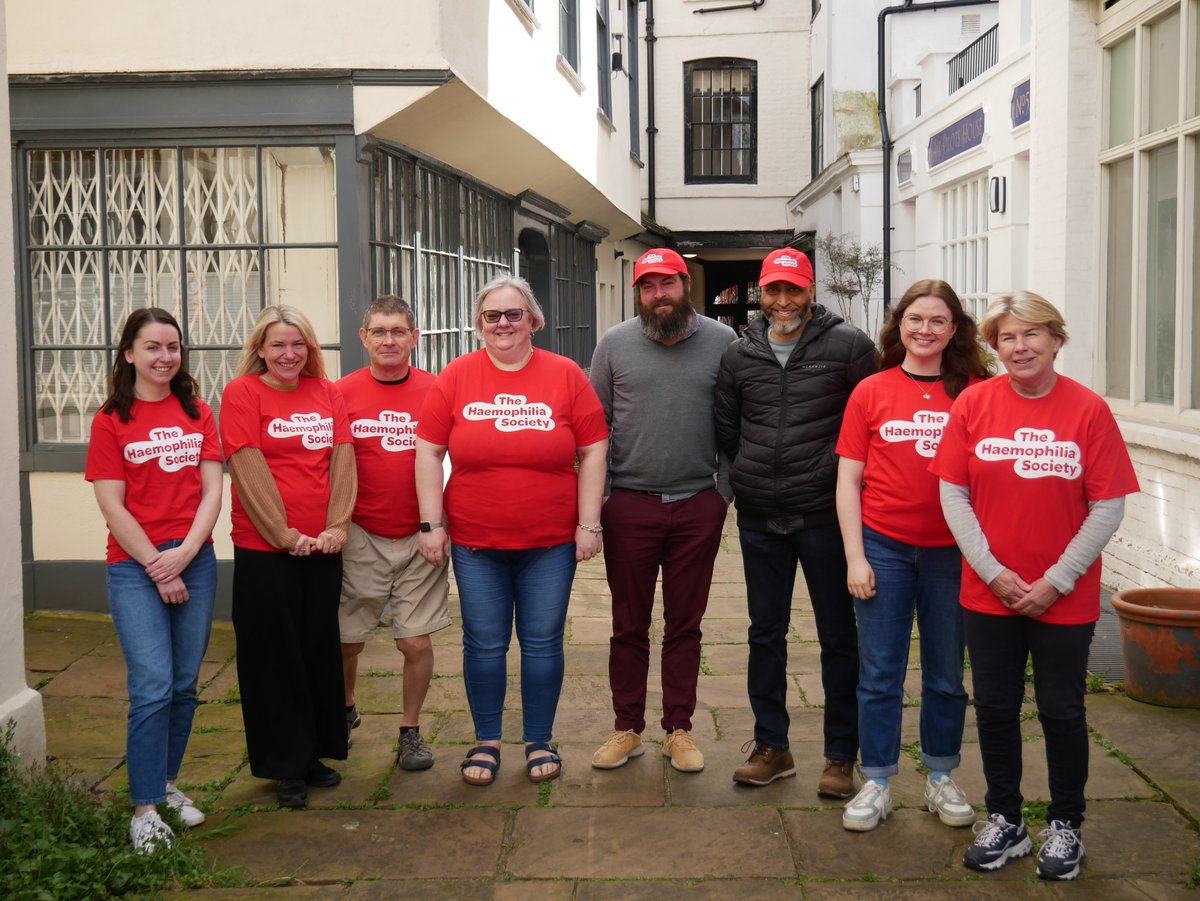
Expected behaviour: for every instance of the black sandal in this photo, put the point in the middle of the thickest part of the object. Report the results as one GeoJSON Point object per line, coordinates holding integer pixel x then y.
{"type": "Point", "coordinates": [481, 762]}
{"type": "Point", "coordinates": [532, 764]}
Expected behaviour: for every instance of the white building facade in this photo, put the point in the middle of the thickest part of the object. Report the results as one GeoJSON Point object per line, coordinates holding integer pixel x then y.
{"type": "Point", "coordinates": [303, 153]}
{"type": "Point", "coordinates": [1059, 151]}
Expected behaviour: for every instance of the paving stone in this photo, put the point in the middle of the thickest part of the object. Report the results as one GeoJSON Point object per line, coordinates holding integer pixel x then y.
{"type": "Point", "coordinates": [589, 630]}
{"type": "Point", "coordinates": [468, 890]}
{"type": "Point", "coordinates": [737, 724]}
{"type": "Point", "coordinates": [1138, 839]}
{"type": "Point", "coordinates": [213, 716]}
{"type": "Point", "coordinates": [53, 650]}
{"type": "Point", "coordinates": [222, 687]}
{"type": "Point", "coordinates": [221, 643]}
{"type": "Point", "coordinates": [385, 694]}
{"type": "Point", "coordinates": [283, 892]}
{"type": "Point", "coordinates": [91, 677]}
{"type": "Point", "coordinates": [908, 845]}
{"type": "Point", "coordinates": [979, 889]}
{"type": "Point", "coordinates": [1152, 738]}
{"type": "Point", "coordinates": [714, 889]}
{"type": "Point", "coordinates": [85, 727]}
{"type": "Point", "coordinates": [603, 843]}
{"type": "Point", "coordinates": [91, 771]}
{"type": "Point", "coordinates": [334, 845]}
{"type": "Point", "coordinates": [200, 771]}
{"type": "Point", "coordinates": [639, 783]}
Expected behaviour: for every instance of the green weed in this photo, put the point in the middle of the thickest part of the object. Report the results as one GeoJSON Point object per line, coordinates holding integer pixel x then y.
{"type": "Point", "coordinates": [58, 840]}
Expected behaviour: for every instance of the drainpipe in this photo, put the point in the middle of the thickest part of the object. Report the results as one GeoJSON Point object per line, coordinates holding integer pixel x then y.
{"type": "Point", "coordinates": [651, 129]}
{"type": "Point", "coordinates": [881, 97]}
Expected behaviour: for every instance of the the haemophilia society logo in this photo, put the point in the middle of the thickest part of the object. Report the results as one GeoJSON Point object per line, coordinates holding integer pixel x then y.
{"type": "Point", "coordinates": [314, 431]}
{"type": "Point", "coordinates": [1035, 454]}
{"type": "Point", "coordinates": [924, 430]}
{"type": "Point", "coordinates": [512, 413]}
{"type": "Point", "coordinates": [170, 447]}
{"type": "Point", "coordinates": [395, 431]}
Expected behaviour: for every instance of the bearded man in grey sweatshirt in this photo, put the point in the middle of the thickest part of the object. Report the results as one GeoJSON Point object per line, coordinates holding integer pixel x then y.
{"type": "Point", "coordinates": [656, 377]}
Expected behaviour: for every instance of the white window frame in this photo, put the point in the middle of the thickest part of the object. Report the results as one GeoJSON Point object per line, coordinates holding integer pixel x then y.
{"type": "Point", "coordinates": [963, 241]}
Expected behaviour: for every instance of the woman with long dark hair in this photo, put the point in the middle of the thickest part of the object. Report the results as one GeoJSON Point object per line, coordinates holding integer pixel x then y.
{"type": "Point", "coordinates": [154, 462]}
{"type": "Point", "coordinates": [900, 555]}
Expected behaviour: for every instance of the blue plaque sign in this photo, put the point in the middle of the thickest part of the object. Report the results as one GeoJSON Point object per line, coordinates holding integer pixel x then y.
{"type": "Point", "coordinates": [1020, 104]}
{"type": "Point", "coordinates": [964, 134]}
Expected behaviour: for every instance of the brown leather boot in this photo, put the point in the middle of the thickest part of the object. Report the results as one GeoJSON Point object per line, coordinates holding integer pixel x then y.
{"type": "Point", "coordinates": [837, 781]}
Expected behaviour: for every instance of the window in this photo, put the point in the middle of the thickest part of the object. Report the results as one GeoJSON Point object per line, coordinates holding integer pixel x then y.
{"type": "Point", "coordinates": [720, 120]}
{"type": "Point", "coordinates": [631, 54]}
{"type": "Point", "coordinates": [574, 313]}
{"type": "Point", "coordinates": [964, 244]}
{"type": "Point", "coordinates": [917, 102]}
{"type": "Point", "coordinates": [1151, 278]}
{"type": "Point", "coordinates": [603, 59]}
{"type": "Point", "coordinates": [436, 239]}
{"type": "Point", "coordinates": [209, 233]}
{"type": "Point", "coordinates": [568, 32]}
{"type": "Point", "coordinates": [816, 106]}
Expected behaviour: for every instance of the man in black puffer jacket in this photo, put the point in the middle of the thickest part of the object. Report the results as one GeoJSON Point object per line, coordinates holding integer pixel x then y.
{"type": "Point", "coordinates": [781, 395]}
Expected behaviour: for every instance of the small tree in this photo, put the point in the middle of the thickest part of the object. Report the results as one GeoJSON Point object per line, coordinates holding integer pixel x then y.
{"type": "Point", "coordinates": [854, 270]}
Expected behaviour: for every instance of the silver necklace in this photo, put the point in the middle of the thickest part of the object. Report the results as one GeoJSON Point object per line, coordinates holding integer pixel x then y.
{"type": "Point", "coordinates": [923, 386]}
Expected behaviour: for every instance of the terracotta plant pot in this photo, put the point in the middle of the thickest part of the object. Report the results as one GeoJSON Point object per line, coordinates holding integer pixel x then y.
{"type": "Point", "coordinates": [1160, 641]}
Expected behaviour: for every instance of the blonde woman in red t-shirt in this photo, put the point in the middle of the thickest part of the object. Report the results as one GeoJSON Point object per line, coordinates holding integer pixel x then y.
{"type": "Point", "coordinates": [155, 464]}
{"type": "Point", "coordinates": [517, 516]}
{"type": "Point", "coordinates": [900, 555]}
{"type": "Point", "coordinates": [291, 458]}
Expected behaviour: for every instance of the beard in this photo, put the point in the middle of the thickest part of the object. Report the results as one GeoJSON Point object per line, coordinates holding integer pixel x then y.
{"type": "Point", "coordinates": [669, 326]}
{"type": "Point", "coordinates": [786, 328]}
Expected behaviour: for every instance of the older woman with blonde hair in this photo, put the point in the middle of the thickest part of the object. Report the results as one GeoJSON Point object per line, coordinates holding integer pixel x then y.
{"type": "Point", "coordinates": [291, 458]}
{"type": "Point", "coordinates": [1034, 474]}
{"type": "Point", "coordinates": [516, 516]}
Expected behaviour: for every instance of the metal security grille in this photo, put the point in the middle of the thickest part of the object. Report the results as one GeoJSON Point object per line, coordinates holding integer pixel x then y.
{"type": "Point", "coordinates": [209, 233]}
{"type": "Point", "coordinates": [436, 239]}
{"type": "Point", "coordinates": [720, 120]}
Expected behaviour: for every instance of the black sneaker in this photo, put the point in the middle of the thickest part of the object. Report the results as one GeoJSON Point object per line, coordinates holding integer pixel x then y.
{"type": "Point", "coordinates": [997, 841]}
{"type": "Point", "coordinates": [1061, 853]}
{"type": "Point", "coordinates": [353, 721]}
{"type": "Point", "coordinates": [292, 793]}
{"type": "Point", "coordinates": [321, 776]}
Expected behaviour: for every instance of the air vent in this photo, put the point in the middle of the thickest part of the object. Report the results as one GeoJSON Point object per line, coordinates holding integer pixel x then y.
{"type": "Point", "coordinates": [971, 23]}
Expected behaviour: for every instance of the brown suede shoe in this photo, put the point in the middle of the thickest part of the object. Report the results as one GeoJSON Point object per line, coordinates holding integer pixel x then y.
{"type": "Point", "coordinates": [837, 781]}
{"type": "Point", "coordinates": [766, 764]}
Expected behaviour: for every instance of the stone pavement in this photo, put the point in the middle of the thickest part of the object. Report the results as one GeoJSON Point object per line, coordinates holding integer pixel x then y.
{"type": "Point", "coordinates": [643, 831]}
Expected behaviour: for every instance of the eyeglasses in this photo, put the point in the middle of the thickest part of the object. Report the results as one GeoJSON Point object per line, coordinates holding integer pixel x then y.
{"type": "Point", "coordinates": [491, 317]}
{"type": "Point", "coordinates": [396, 334]}
{"type": "Point", "coordinates": [937, 324]}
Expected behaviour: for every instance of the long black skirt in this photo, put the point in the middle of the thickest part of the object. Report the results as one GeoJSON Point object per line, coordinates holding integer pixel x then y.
{"type": "Point", "coordinates": [289, 660]}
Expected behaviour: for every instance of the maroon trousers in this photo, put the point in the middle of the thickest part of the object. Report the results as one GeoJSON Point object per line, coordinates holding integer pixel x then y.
{"type": "Point", "coordinates": [641, 534]}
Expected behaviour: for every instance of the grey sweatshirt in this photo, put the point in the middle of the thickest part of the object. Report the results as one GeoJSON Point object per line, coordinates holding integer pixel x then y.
{"type": "Point", "coordinates": [658, 401]}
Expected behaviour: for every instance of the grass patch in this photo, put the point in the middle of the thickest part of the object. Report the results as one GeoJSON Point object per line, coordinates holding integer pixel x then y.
{"type": "Point", "coordinates": [1034, 812]}
{"type": "Point", "coordinates": [1193, 880]}
{"type": "Point", "coordinates": [59, 840]}
{"type": "Point", "coordinates": [1095, 683]}
{"type": "Point", "coordinates": [1113, 750]}
{"type": "Point", "coordinates": [705, 669]}
{"type": "Point", "coordinates": [379, 673]}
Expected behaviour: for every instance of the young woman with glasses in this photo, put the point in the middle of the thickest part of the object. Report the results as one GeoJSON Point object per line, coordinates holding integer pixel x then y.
{"type": "Point", "coordinates": [900, 555]}
{"type": "Point", "coordinates": [516, 516]}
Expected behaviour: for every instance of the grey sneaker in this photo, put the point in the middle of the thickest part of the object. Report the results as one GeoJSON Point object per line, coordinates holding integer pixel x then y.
{"type": "Point", "coordinates": [184, 806]}
{"type": "Point", "coordinates": [872, 804]}
{"type": "Point", "coordinates": [947, 800]}
{"type": "Point", "coordinates": [414, 753]}
{"type": "Point", "coordinates": [149, 833]}
{"type": "Point", "coordinates": [353, 721]}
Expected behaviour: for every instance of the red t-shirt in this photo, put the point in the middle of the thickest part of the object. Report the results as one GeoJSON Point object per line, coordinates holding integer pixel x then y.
{"type": "Point", "coordinates": [512, 438]}
{"type": "Point", "coordinates": [296, 432]}
{"type": "Point", "coordinates": [891, 428]}
{"type": "Point", "coordinates": [383, 421]}
{"type": "Point", "coordinates": [157, 455]}
{"type": "Point", "coordinates": [1032, 467]}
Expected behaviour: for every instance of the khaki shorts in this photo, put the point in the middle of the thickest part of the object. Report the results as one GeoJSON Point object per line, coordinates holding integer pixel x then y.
{"type": "Point", "coordinates": [378, 570]}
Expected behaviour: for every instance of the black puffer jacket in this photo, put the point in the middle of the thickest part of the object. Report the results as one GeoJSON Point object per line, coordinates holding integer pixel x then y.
{"type": "Point", "coordinates": [780, 424]}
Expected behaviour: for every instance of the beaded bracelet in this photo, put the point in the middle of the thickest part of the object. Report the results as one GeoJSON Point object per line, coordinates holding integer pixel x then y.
{"type": "Point", "coordinates": [595, 530]}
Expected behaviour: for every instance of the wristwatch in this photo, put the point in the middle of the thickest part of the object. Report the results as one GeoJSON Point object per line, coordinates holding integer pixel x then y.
{"type": "Point", "coordinates": [430, 526]}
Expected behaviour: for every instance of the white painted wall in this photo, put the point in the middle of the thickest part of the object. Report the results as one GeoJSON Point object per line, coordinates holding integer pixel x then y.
{"type": "Point", "coordinates": [19, 704]}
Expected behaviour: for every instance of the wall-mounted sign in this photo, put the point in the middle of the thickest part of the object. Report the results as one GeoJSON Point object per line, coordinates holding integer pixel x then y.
{"type": "Point", "coordinates": [904, 167]}
{"type": "Point", "coordinates": [964, 134]}
{"type": "Point", "coordinates": [1020, 104]}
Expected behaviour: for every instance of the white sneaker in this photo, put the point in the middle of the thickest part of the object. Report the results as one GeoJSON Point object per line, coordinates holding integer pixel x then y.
{"type": "Point", "coordinates": [947, 800]}
{"type": "Point", "coordinates": [148, 833]}
{"type": "Point", "coordinates": [864, 811]}
{"type": "Point", "coordinates": [184, 806]}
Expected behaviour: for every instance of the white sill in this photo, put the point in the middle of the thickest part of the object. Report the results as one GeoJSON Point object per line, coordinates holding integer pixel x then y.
{"type": "Point", "coordinates": [525, 14]}
{"type": "Point", "coordinates": [569, 73]}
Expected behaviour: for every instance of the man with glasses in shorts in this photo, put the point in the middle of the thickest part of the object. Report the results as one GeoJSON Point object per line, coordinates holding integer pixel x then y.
{"type": "Point", "coordinates": [381, 561]}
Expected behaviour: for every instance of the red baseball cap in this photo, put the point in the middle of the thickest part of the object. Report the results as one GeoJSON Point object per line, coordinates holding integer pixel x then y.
{"type": "Point", "coordinates": [659, 261]}
{"type": "Point", "coordinates": [786, 265]}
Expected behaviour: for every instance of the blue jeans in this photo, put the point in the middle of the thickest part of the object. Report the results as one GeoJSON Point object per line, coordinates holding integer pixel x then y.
{"type": "Point", "coordinates": [493, 586]}
{"type": "Point", "coordinates": [770, 560]}
{"type": "Point", "coordinates": [163, 646]}
{"type": "Point", "coordinates": [908, 579]}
